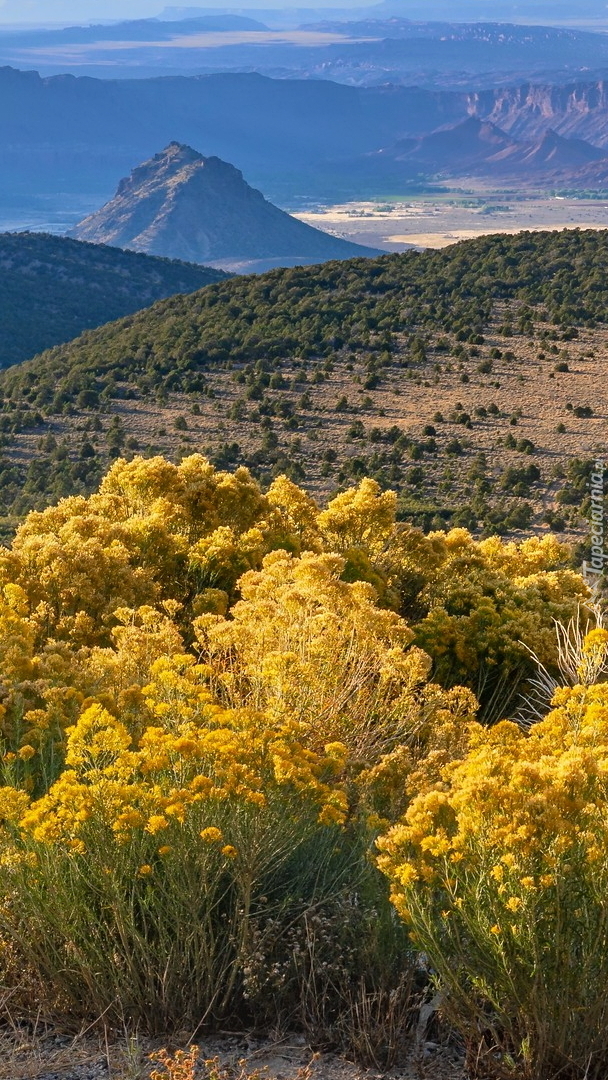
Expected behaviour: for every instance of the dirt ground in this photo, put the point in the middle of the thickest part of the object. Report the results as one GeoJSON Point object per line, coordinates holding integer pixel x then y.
{"type": "Point", "coordinates": [52, 1056]}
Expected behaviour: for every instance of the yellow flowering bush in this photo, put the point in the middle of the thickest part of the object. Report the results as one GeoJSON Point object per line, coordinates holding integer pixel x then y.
{"type": "Point", "coordinates": [159, 534]}
{"type": "Point", "coordinates": [489, 604]}
{"type": "Point", "coordinates": [306, 644]}
{"type": "Point", "coordinates": [213, 698]}
{"type": "Point", "coordinates": [501, 870]}
{"type": "Point", "coordinates": [180, 831]}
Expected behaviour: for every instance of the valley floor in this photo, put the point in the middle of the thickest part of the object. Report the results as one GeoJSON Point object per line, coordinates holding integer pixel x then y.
{"type": "Point", "coordinates": [473, 208]}
{"type": "Point", "coordinates": [435, 221]}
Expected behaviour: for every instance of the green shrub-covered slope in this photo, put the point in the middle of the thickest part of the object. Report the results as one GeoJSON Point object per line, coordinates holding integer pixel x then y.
{"type": "Point", "coordinates": [53, 288]}
{"type": "Point", "coordinates": [466, 378]}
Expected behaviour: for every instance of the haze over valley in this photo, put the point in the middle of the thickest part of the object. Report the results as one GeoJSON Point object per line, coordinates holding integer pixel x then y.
{"type": "Point", "coordinates": [300, 142]}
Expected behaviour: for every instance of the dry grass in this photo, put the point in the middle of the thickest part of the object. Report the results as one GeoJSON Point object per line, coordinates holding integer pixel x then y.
{"type": "Point", "coordinates": [30, 1051]}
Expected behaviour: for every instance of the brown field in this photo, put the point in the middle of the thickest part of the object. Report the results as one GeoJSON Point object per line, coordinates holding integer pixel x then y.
{"type": "Point", "coordinates": [442, 240]}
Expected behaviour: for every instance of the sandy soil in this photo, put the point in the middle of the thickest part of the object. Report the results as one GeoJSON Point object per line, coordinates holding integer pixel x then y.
{"type": "Point", "coordinates": [441, 240]}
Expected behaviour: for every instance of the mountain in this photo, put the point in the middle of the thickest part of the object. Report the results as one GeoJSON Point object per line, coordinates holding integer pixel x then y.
{"type": "Point", "coordinates": [550, 152]}
{"type": "Point", "coordinates": [446, 54]}
{"type": "Point", "coordinates": [288, 136]}
{"type": "Point", "coordinates": [292, 138]}
{"type": "Point", "coordinates": [457, 146]}
{"type": "Point", "coordinates": [544, 11]}
{"type": "Point", "coordinates": [476, 146]}
{"type": "Point", "coordinates": [574, 110]}
{"type": "Point", "coordinates": [367, 52]}
{"type": "Point", "coordinates": [52, 289]}
{"type": "Point", "coordinates": [133, 30]}
{"type": "Point", "coordinates": [185, 206]}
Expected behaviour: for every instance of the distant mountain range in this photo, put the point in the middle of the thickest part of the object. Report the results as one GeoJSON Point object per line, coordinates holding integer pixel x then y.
{"type": "Point", "coordinates": [52, 289]}
{"type": "Point", "coordinates": [447, 54]}
{"type": "Point", "coordinates": [367, 50]}
{"type": "Point", "coordinates": [463, 10]}
{"type": "Point", "coordinates": [291, 138]}
{"type": "Point", "coordinates": [480, 147]}
{"type": "Point", "coordinates": [185, 206]}
{"type": "Point", "coordinates": [135, 30]}
{"type": "Point", "coordinates": [69, 11]}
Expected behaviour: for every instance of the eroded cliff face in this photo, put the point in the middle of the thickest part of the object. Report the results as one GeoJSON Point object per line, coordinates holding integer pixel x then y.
{"type": "Point", "coordinates": [578, 110]}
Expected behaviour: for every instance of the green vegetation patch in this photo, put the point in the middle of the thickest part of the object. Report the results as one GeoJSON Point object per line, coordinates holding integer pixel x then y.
{"type": "Point", "coordinates": [335, 372]}
{"type": "Point", "coordinates": [52, 288]}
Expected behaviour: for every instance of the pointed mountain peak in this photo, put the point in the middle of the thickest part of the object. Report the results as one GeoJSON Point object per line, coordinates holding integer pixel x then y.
{"type": "Point", "coordinates": [178, 151]}
{"type": "Point", "coordinates": [559, 152]}
{"type": "Point", "coordinates": [179, 154]}
{"type": "Point", "coordinates": [470, 140]}
{"type": "Point", "coordinates": [183, 205]}
{"type": "Point", "coordinates": [178, 163]}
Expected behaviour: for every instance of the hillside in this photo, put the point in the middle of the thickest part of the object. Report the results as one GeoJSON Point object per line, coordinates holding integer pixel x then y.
{"type": "Point", "coordinates": [552, 151]}
{"type": "Point", "coordinates": [185, 206]}
{"type": "Point", "coordinates": [466, 378]}
{"type": "Point", "coordinates": [52, 288]}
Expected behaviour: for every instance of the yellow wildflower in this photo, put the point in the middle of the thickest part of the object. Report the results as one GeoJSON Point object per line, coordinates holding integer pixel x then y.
{"type": "Point", "coordinates": [211, 835]}
{"type": "Point", "coordinates": [156, 823]}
